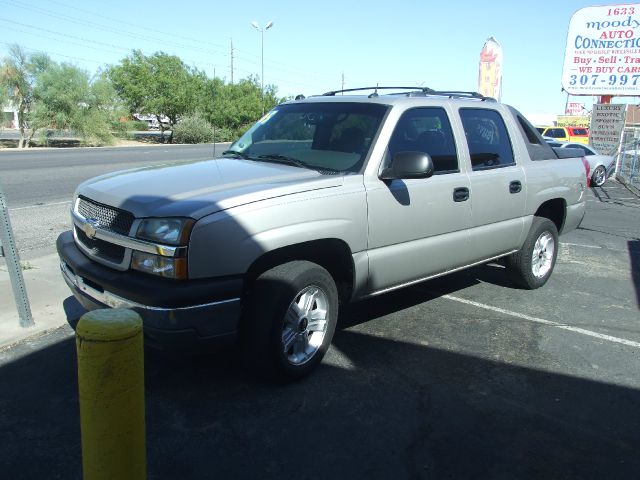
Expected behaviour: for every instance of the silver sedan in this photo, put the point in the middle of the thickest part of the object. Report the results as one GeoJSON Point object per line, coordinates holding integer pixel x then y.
{"type": "Point", "coordinates": [599, 164]}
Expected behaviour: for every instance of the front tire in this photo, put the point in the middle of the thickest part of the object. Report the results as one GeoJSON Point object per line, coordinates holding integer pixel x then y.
{"type": "Point", "coordinates": [532, 265]}
{"type": "Point", "coordinates": [291, 315]}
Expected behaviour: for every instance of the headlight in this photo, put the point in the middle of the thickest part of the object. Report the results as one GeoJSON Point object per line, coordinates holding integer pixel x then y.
{"type": "Point", "coordinates": [170, 231]}
{"type": "Point", "coordinates": [158, 265]}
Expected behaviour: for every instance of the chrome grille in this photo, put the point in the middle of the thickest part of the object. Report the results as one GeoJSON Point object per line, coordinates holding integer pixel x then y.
{"type": "Point", "coordinates": [109, 218]}
{"type": "Point", "coordinates": [99, 248]}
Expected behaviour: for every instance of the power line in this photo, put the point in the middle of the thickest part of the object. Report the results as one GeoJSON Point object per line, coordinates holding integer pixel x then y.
{"type": "Point", "coordinates": [117, 20]}
{"type": "Point", "coordinates": [95, 43]}
{"type": "Point", "coordinates": [108, 28]}
{"type": "Point", "coordinates": [273, 63]}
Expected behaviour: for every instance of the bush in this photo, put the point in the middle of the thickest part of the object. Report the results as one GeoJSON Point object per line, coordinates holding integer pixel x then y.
{"type": "Point", "coordinates": [193, 129]}
{"type": "Point", "coordinates": [124, 129]}
{"type": "Point", "coordinates": [139, 125]}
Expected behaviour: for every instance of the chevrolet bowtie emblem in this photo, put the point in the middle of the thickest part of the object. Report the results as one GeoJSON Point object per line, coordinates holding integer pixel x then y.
{"type": "Point", "coordinates": [89, 227]}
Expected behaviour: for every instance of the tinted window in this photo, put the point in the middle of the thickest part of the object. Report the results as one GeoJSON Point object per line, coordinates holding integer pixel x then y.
{"type": "Point", "coordinates": [537, 147]}
{"type": "Point", "coordinates": [487, 137]}
{"type": "Point", "coordinates": [426, 130]}
{"type": "Point", "coordinates": [578, 131]}
{"type": "Point", "coordinates": [586, 151]}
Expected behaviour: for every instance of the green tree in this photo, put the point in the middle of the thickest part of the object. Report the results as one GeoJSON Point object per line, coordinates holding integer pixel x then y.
{"type": "Point", "coordinates": [159, 84]}
{"type": "Point", "coordinates": [65, 98]}
{"type": "Point", "coordinates": [233, 108]}
{"type": "Point", "coordinates": [18, 73]}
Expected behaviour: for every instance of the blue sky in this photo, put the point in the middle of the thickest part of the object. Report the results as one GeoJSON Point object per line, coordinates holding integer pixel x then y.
{"type": "Point", "coordinates": [312, 45]}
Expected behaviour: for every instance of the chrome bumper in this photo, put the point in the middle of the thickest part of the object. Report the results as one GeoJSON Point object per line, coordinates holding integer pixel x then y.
{"type": "Point", "coordinates": [207, 320]}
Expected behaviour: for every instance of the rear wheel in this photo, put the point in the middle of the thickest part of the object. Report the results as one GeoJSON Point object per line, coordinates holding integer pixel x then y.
{"type": "Point", "coordinates": [599, 176]}
{"type": "Point", "coordinates": [290, 319]}
{"type": "Point", "coordinates": [533, 264]}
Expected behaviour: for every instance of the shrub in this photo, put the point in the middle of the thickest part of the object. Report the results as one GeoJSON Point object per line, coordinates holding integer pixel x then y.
{"type": "Point", "coordinates": [193, 129]}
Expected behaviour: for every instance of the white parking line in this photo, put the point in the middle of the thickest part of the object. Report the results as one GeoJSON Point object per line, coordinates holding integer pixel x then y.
{"type": "Point", "coordinates": [594, 246]}
{"type": "Point", "coordinates": [39, 206]}
{"type": "Point", "coordinates": [581, 331]}
{"type": "Point", "coordinates": [580, 245]}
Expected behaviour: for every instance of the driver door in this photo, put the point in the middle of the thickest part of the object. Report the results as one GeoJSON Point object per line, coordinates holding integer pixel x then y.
{"type": "Point", "coordinates": [418, 228]}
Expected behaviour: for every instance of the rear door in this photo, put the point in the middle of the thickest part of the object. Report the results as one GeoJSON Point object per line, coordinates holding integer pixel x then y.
{"type": "Point", "coordinates": [498, 190]}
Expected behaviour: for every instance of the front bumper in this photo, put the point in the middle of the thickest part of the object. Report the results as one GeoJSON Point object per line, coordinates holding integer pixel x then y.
{"type": "Point", "coordinates": [173, 312]}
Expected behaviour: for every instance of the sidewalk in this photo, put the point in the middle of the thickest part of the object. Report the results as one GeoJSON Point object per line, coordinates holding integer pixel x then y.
{"type": "Point", "coordinates": [46, 290]}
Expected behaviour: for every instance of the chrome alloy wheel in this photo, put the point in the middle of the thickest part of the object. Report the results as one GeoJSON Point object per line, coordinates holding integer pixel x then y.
{"type": "Point", "coordinates": [542, 257]}
{"type": "Point", "coordinates": [305, 325]}
{"type": "Point", "coordinates": [599, 176]}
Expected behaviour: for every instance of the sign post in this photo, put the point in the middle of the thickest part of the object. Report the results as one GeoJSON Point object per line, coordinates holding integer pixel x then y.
{"type": "Point", "coordinates": [13, 265]}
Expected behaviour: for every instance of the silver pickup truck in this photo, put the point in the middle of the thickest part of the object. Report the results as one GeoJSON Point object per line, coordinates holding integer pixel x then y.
{"type": "Point", "coordinates": [324, 200]}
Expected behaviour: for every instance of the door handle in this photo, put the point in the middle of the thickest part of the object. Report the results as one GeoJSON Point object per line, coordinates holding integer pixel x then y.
{"type": "Point", "coordinates": [460, 194]}
{"type": "Point", "coordinates": [515, 187]}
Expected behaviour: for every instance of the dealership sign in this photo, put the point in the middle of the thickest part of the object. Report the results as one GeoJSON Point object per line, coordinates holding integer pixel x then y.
{"type": "Point", "coordinates": [603, 51]}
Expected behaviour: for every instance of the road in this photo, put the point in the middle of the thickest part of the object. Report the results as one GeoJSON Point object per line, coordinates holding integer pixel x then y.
{"type": "Point", "coordinates": [39, 184]}
{"type": "Point", "coordinates": [460, 377]}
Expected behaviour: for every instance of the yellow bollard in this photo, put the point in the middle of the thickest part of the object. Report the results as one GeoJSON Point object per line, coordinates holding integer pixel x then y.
{"type": "Point", "coordinates": [111, 383]}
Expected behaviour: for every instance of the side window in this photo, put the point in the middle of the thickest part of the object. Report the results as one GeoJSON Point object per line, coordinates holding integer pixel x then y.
{"type": "Point", "coordinates": [487, 137]}
{"type": "Point", "coordinates": [537, 147]}
{"type": "Point", "coordinates": [426, 130]}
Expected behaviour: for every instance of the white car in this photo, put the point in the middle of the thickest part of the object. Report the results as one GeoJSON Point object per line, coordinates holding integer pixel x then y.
{"type": "Point", "coordinates": [599, 164]}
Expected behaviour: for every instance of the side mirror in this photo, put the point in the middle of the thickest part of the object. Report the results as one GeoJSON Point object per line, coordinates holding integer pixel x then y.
{"type": "Point", "coordinates": [408, 165]}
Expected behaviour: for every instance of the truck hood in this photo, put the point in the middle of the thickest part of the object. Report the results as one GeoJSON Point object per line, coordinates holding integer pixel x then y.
{"type": "Point", "coordinates": [201, 188]}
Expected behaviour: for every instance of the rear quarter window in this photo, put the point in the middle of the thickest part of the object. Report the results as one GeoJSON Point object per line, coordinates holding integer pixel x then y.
{"type": "Point", "coordinates": [537, 147]}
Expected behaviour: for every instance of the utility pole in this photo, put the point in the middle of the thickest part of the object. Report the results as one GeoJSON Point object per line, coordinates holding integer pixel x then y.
{"type": "Point", "coordinates": [232, 61]}
{"type": "Point", "coordinates": [342, 83]}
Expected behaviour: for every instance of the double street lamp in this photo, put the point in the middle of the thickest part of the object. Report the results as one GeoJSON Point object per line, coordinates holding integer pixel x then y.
{"type": "Point", "coordinates": [262, 30]}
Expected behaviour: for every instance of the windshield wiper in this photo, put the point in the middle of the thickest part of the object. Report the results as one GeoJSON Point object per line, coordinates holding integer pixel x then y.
{"type": "Point", "coordinates": [277, 158]}
{"type": "Point", "coordinates": [236, 153]}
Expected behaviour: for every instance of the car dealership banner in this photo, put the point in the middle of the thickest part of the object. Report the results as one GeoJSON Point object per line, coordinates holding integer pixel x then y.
{"type": "Point", "coordinates": [490, 69]}
{"type": "Point", "coordinates": [602, 56]}
{"type": "Point", "coordinates": [607, 124]}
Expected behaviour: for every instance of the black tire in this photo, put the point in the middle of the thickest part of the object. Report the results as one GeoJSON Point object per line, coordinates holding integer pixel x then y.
{"type": "Point", "coordinates": [599, 176]}
{"type": "Point", "coordinates": [273, 319]}
{"type": "Point", "coordinates": [530, 273]}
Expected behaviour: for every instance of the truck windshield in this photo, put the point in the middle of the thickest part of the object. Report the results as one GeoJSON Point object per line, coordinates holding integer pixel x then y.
{"type": "Point", "coordinates": [334, 137]}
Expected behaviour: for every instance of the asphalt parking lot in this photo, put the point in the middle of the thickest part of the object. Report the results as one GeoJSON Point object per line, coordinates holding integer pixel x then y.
{"type": "Point", "coordinates": [460, 377]}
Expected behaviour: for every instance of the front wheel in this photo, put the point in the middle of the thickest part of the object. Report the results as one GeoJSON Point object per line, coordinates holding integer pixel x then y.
{"type": "Point", "coordinates": [599, 176]}
{"type": "Point", "coordinates": [291, 315]}
{"type": "Point", "coordinates": [532, 265]}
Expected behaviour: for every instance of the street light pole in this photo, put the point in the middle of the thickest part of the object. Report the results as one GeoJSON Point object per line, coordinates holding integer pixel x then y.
{"type": "Point", "coordinates": [262, 30]}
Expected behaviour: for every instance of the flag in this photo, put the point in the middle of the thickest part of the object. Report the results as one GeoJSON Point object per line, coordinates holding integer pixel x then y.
{"type": "Point", "coordinates": [490, 69]}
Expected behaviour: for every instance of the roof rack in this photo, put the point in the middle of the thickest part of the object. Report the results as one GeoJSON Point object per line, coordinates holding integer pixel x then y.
{"type": "Point", "coordinates": [417, 92]}
{"type": "Point", "coordinates": [458, 94]}
{"type": "Point", "coordinates": [416, 89]}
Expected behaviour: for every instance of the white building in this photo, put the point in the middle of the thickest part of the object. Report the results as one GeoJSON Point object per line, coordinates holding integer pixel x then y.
{"type": "Point", "coordinates": [9, 117]}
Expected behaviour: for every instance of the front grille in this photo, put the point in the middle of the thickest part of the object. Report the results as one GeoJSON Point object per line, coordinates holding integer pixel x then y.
{"type": "Point", "coordinates": [99, 248]}
{"type": "Point", "coordinates": [109, 218]}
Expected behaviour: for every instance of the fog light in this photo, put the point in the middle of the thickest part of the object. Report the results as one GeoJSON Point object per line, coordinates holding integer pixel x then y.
{"type": "Point", "coordinates": [158, 265]}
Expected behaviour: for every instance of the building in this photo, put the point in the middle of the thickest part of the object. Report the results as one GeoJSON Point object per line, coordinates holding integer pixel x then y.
{"type": "Point", "coordinates": [9, 117]}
